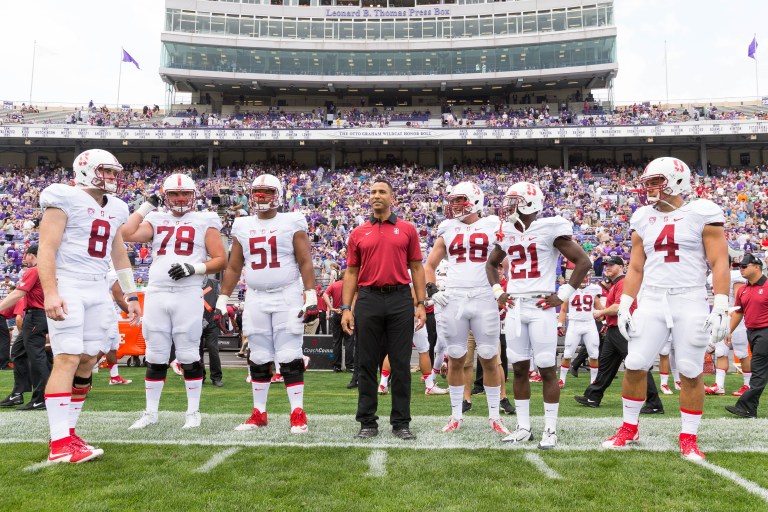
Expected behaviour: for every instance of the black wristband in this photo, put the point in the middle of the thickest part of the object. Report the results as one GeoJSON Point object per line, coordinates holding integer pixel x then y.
{"type": "Point", "coordinates": [132, 299]}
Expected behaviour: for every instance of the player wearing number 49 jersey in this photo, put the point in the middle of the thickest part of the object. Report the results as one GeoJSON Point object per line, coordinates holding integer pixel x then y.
{"type": "Point", "coordinates": [532, 244]}
{"type": "Point", "coordinates": [274, 249]}
{"type": "Point", "coordinates": [581, 327]}
{"type": "Point", "coordinates": [79, 233]}
{"type": "Point", "coordinates": [671, 242]}
{"type": "Point", "coordinates": [182, 241]}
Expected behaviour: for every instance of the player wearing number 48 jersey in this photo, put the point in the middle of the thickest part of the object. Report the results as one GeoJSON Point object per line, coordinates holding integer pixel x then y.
{"type": "Point", "coordinates": [672, 241]}
{"type": "Point", "coordinates": [274, 249]}
{"type": "Point", "coordinates": [532, 244]}
{"type": "Point", "coordinates": [79, 233]}
{"type": "Point", "coordinates": [182, 241]}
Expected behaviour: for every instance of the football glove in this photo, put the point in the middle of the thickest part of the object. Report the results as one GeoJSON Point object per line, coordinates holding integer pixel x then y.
{"type": "Point", "coordinates": [309, 311]}
{"type": "Point", "coordinates": [182, 270]}
{"type": "Point", "coordinates": [432, 289]}
{"type": "Point", "coordinates": [718, 321]}
{"type": "Point", "coordinates": [560, 331]}
{"type": "Point", "coordinates": [153, 202]}
{"type": "Point", "coordinates": [220, 311]}
{"type": "Point", "coordinates": [625, 317]}
{"type": "Point", "coordinates": [440, 298]}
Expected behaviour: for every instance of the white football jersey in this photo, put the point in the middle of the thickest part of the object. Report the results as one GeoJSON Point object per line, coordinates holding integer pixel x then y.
{"type": "Point", "coordinates": [178, 240]}
{"type": "Point", "coordinates": [582, 303]}
{"type": "Point", "coordinates": [532, 254]}
{"type": "Point", "coordinates": [673, 244]}
{"type": "Point", "coordinates": [86, 245]}
{"type": "Point", "coordinates": [467, 247]}
{"type": "Point", "coordinates": [441, 274]}
{"type": "Point", "coordinates": [736, 278]}
{"type": "Point", "coordinates": [268, 249]}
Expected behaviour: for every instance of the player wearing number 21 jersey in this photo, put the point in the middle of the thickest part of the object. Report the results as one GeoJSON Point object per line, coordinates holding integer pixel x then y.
{"type": "Point", "coordinates": [79, 233]}
{"type": "Point", "coordinates": [274, 249]}
{"type": "Point", "coordinates": [467, 303]}
{"type": "Point", "coordinates": [532, 244]}
{"type": "Point", "coordinates": [182, 242]}
{"type": "Point", "coordinates": [672, 241]}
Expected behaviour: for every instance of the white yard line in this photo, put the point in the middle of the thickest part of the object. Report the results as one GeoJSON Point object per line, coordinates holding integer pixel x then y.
{"type": "Point", "coordinates": [216, 460]}
{"type": "Point", "coordinates": [377, 464]}
{"type": "Point", "coordinates": [38, 466]}
{"type": "Point", "coordinates": [739, 480]}
{"type": "Point", "coordinates": [538, 462]}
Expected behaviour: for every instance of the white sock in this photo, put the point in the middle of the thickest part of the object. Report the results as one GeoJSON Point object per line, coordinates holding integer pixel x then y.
{"type": "Point", "coordinates": [429, 380]}
{"type": "Point", "coordinates": [664, 379]}
{"type": "Point", "coordinates": [153, 390]}
{"type": "Point", "coordinates": [113, 372]}
{"type": "Point", "coordinates": [57, 405]}
{"type": "Point", "coordinates": [593, 373]}
{"type": "Point", "coordinates": [260, 392]}
{"type": "Point", "coordinates": [194, 389]}
{"type": "Point", "coordinates": [632, 408]}
{"type": "Point", "coordinates": [747, 378]}
{"type": "Point", "coordinates": [523, 410]}
{"type": "Point", "coordinates": [76, 403]}
{"type": "Point", "coordinates": [550, 416]}
{"type": "Point", "coordinates": [277, 370]}
{"type": "Point", "coordinates": [691, 421]}
{"type": "Point", "coordinates": [563, 373]}
{"type": "Point", "coordinates": [675, 374]}
{"type": "Point", "coordinates": [384, 378]}
{"type": "Point", "coordinates": [295, 395]}
{"type": "Point", "coordinates": [457, 397]}
{"type": "Point", "coordinates": [493, 396]}
{"type": "Point", "coordinates": [720, 378]}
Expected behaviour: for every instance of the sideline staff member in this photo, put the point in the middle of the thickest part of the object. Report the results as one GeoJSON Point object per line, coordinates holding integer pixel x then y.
{"type": "Point", "coordinates": [379, 255]}
{"type": "Point", "coordinates": [753, 300]}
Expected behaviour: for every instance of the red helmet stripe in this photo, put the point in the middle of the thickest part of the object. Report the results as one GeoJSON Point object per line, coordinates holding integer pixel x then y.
{"type": "Point", "coordinates": [179, 179]}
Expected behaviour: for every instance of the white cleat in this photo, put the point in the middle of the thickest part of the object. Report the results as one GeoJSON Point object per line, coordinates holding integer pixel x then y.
{"type": "Point", "coordinates": [176, 367]}
{"type": "Point", "coordinates": [193, 420]}
{"type": "Point", "coordinates": [453, 424]}
{"type": "Point", "coordinates": [383, 390]}
{"type": "Point", "coordinates": [147, 419]}
{"type": "Point", "coordinates": [498, 426]}
{"type": "Point", "coordinates": [435, 390]}
{"type": "Point", "coordinates": [678, 385]}
{"type": "Point", "coordinates": [548, 440]}
{"type": "Point", "coordinates": [519, 435]}
{"type": "Point", "coordinates": [665, 390]}
{"type": "Point", "coordinates": [306, 361]}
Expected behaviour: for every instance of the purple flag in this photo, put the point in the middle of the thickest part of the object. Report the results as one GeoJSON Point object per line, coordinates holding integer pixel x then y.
{"type": "Point", "coordinates": [127, 58]}
{"type": "Point", "coordinates": [752, 48]}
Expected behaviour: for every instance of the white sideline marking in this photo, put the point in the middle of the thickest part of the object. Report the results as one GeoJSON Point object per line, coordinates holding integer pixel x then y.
{"type": "Point", "coordinates": [377, 464]}
{"type": "Point", "coordinates": [739, 480]}
{"type": "Point", "coordinates": [536, 460]}
{"type": "Point", "coordinates": [217, 459]}
{"type": "Point", "coordinates": [38, 466]}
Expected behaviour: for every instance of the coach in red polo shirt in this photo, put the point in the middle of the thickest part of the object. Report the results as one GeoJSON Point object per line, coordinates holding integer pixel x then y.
{"type": "Point", "coordinates": [379, 255]}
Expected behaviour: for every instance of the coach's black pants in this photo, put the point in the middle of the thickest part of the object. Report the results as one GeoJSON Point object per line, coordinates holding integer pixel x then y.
{"type": "Point", "coordinates": [431, 327]}
{"type": "Point", "coordinates": [5, 344]}
{"type": "Point", "coordinates": [758, 344]}
{"type": "Point", "coordinates": [341, 338]}
{"type": "Point", "coordinates": [31, 366]}
{"type": "Point", "coordinates": [323, 325]}
{"type": "Point", "coordinates": [384, 324]}
{"type": "Point", "coordinates": [612, 354]}
{"type": "Point", "coordinates": [210, 341]}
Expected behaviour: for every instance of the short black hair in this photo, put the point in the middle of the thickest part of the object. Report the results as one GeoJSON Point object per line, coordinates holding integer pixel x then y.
{"type": "Point", "coordinates": [32, 249]}
{"type": "Point", "coordinates": [379, 179]}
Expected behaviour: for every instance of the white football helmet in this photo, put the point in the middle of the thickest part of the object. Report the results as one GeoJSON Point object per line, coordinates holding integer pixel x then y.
{"type": "Point", "coordinates": [522, 197]}
{"type": "Point", "coordinates": [179, 183]}
{"type": "Point", "coordinates": [89, 167]}
{"type": "Point", "coordinates": [473, 201]}
{"type": "Point", "coordinates": [260, 201]}
{"type": "Point", "coordinates": [665, 175]}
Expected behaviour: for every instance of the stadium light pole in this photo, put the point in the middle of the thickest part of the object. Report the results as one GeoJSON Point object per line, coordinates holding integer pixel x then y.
{"type": "Point", "coordinates": [32, 77]}
{"type": "Point", "coordinates": [666, 72]}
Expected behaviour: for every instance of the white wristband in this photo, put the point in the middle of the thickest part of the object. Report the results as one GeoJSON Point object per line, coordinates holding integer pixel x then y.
{"type": "Point", "coordinates": [200, 268]}
{"type": "Point", "coordinates": [310, 298]}
{"type": "Point", "coordinates": [626, 302]}
{"type": "Point", "coordinates": [145, 208]}
{"type": "Point", "coordinates": [221, 303]}
{"type": "Point", "coordinates": [720, 303]}
{"type": "Point", "coordinates": [125, 278]}
{"type": "Point", "coordinates": [498, 291]}
{"type": "Point", "coordinates": [559, 324]}
{"type": "Point", "coordinates": [565, 292]}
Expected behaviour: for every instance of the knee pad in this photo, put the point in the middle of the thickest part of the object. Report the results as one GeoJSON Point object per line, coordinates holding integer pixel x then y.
{"type": "Point", "coordinates": [513, 357]}
{"type": "Point", "coordinates": [636, 361]}
{"type": "Point", "coordinates": [546, 360]}
{"type": "Point", "coordinates": [689, 368]}
{"type": "Point", "coordinates": [741, 352]}
{"type": "Point", "coordinates": [292, 372]}
{"type": "Point", "coordinates": [193, 371]}
{"type": "Point", "coordinates": [261, 372]}
{"type": "Point", "coordinates": [187, 355]}
{"type": "Point", "coordinates": [486, 352]}
{"type": "Point", "coordinates": [721, 349]}
{"type": "Point", "coordinates": [455, 352]}
{"type": "Point", "coordinates": [81, 385]}
{"type": "Point", "coordinates": [156, 371]}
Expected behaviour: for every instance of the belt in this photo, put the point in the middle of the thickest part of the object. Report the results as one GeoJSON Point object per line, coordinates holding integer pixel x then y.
{"type": "Point", "coordinates": [388, 288]}
{"type": "Point", "coordinates": [34, 309]}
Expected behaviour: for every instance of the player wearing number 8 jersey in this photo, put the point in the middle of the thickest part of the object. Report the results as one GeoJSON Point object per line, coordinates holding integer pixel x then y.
{"type": "Point", "coordinates": [274, 249]}
{"type": "Point", "coordinates": [79, 233]}
{"type": "Point", "coordinates": [671, 242]}
{"type": "Point", "coordinates": [467, 304]}
{"type": "Point", "coordinates": [182, 241]}
{"type": "Point", "coordinates": [532, 244]}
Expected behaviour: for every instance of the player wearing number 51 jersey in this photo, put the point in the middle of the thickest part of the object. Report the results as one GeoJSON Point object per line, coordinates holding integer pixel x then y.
{"type": "Point", "coordinates": [79, 233]}
{"type": "Point", "coordinates": [182, 242]}
{"type": "Point", "coordinates": [467, 304]}
{"type": "Point", "coordinates": [274, 249]}
{"type": "Point", "coordinates": [532, 244]}
{"type": "Point", "coordinates": [672, 241]}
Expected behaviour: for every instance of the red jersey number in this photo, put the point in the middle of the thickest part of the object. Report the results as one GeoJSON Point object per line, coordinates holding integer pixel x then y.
{"type": "Point", "coordinates": [582, 302]}
{"type": "Point", "coordinates": [478, 248]}
{"type": "Point", "coordinates": [258, 250]}
{"type": "Point", "coordinates": [185, 239]}
{"type": "Point", "coordinates": [97, 243]}
{"type": "Point", "coordinates": [666, 243]}
{"type": "Point", "coordinates": [518, 256]}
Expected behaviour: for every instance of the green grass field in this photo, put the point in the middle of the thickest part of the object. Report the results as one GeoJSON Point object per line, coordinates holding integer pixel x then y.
{"type": "Point", "coordinates": [216, 468]}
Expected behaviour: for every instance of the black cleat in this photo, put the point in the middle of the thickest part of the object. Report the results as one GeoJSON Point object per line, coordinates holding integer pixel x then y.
{"type": "Point", "coordinates": [404, 433]}
{"type": "Point", "coordinates": [466, 406]}
{"type": "Point", "coordinates": [649, 409]}
{"type": "Point", "coordinates": [478, 390]}
{"type": "Point", "coordinates": [32, 406]}
{"type": "Point", "coordinates": [574, 370]}
{"type": "Point", "coordinates": [217, 383]}
{"type": "Point", "coordinates": [738, 411]}
{"type": "Point", "coordinates": [506, 407]}
{"type": "Point", "coordinates": [367, 433]}
{"type": "Point", "coordinates": [352, 384]}
{"type": "Point", "coordinates": [12, 400]}
{"type": "Point", "coordinates": [586, 401]}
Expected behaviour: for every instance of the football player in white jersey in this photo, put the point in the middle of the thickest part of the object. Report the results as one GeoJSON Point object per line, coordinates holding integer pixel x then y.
{"type": "Point", "coordinates": [467, 304]}
{"type": "Point", "coordinates": [532, 245]}
{"type": "Point", "coordinates": [672, 241]}
{"type": "Point", "coordinates": [79, 233]}
{"type": "Point", "coordinates": [581, 327]}
{"type": "Point", "coordinates": [274, 248]}
{"type": "Point", "coordinates": [112, 342]}
{"type": "Point", "coordinates": [738, 342]}
{"type": "Point", "coordinates": [186, 245]}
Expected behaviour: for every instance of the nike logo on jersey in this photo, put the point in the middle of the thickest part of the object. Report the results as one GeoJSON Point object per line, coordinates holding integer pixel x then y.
{"type": "Point", "coordinates": [678, 219]}
{"type": "Point", "coordinates": [272, 230]}
{"type": "Point", "coordinates": [368, 233]}
{"type": "Point", "coordinates": [111, 217]}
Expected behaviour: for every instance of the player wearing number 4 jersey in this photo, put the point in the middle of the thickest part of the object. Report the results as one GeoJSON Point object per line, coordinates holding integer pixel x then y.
{"type": "Point", "coordinates": [467, 304]}
{"type": "Point", "coordinates": [182, 241]}
{"type": "Point", "coordinates": [274, 248]}
{"type": "Point", "coordinates": [79, 233]}
{"type": "Point", "coordinates": [532, 245]}
{"type": "Point", "coordinates": [671, 242]}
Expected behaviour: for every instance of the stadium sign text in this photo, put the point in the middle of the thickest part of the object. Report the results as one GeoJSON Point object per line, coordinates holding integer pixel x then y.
{"type": "Point", "coordinates": [387, 13]}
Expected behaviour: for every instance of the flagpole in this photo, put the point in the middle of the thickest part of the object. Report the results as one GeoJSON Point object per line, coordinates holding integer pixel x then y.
{"type": "Point", "coordinates": [32, 77]}
{"type": "Point", "coordinates": [119, 77]}
{"type": "Point", "coordinates": [666, 72]}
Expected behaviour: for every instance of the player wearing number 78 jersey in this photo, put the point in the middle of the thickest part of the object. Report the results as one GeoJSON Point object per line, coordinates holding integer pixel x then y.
{"type": "Point", "coordinates": [182, 241]}
{"type": "Point", "coordinates": [532, 244]}
{"type": "Point", "coordinates": [672, 241]}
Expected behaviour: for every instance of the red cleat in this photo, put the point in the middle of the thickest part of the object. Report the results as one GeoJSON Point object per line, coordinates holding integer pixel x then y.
{"type": "Point", "coordinates": [299, 421]}
{"type": "Point", "coordinates": [714, 389]}
{"type": "Point", "coordinates": [257, 419]}
{"type": "Point", "coordinates": [690, 448]}
{"type": "Point", "coordinates": [118, 380]}
{"type": "Point", "coordinates": [561, 384]}
{"type": "Point", "coordinates": [277, 378]}
{"type": "Point", "coordinates": [71, 451]}
{"type": "Point", "coordinates": [741, 391]}
{"type": "Point", "coordinates": [624, 435]}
